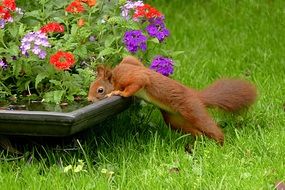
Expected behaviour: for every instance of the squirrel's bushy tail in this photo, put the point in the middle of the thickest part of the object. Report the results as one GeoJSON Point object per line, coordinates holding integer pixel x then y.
{"type": "Point", "coordinates": [229, 94]}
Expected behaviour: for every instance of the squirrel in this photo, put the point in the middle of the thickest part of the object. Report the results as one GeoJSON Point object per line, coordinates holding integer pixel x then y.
{"type": "Point", "coordinates": [182, 108]}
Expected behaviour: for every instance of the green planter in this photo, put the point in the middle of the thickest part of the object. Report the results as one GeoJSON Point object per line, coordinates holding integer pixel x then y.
{"type": "Point", "coordinates": [44, 123]}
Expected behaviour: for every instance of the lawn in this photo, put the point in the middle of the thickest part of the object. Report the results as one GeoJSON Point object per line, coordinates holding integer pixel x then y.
{"type": "Point", "coordinates": [220, 38]}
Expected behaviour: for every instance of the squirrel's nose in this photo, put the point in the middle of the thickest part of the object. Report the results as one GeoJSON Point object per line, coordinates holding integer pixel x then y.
{"type": "Point", "coordinates": [90, 99]}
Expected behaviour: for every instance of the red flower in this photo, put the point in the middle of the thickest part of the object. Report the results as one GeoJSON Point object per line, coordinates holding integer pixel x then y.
{"type": "Point", "coordinates": [62, 60]}
{"type": "Point", "coordinates": [90, 3]}
{"type": "Point", "coordinates": [146, 11]}
{"type": "Point", "coordinates": [80, 22]}
{"type": "Point", "coordinates": [75, 7]}
{"type": "Point", "coordinates": [4, 13]}
{"type": "Point", "coordinates": [10, 4]}
{"type": "Point", "coordinates": [52, 27]}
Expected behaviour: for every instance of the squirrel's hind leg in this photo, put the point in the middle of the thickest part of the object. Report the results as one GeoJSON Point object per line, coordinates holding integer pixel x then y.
{"type": "Point", "coordinates": [197, 117]}
{"type": "Point", "coordinates": [177, 122]}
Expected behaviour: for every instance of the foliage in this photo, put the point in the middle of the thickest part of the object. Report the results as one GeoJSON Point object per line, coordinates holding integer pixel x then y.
{"type": "Point", "coordinates": [90, 33]}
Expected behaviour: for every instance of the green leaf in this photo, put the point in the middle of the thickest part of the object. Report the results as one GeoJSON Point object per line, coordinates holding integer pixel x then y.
{"type": "Point", "coordinates": [155, 40]}
{"type": "Point", "coordinates": [116, 20]}
{"type": "Point", "coordinates": [39, 78]}
{"type": "Point", "coordinates": [27, 83]}
{"type": "Point", "coordinates": [109, 40]}
{"type": "Point", "coordinates": [22, 29]}
{"type": "Point", "coordinates": [70, 98]}
{"type": "Point", "coordinates": [34, 14]}
{"type": "Point", "coordinates": [176, 53]}
{"type": "Point", "coordinates": [74, 29]}
{"type": "Point", "coordinates": [42, 2]}
{"type": "Point", "coordinates": [17, 67]}
{"type": "Point", "coordinates": [55, 82]}
{"type": "Point", "coordinates": [107, 51]}
{"type": "Point", "coordinates": [58, 96]}
{"type": "Point", "coordinates": [2, 50]}
{"type": "Point", "coordinates": [14, 30]}
{"type": "Point", "coordinates": [27, 68]}
{"type": "Point", "coordinates": [13, 49]}
{"type": "Point", "coordinates": [1, 35]}
{"type": "Point", "coordinates": [58, 19]}
{"type": "Point", "coordinates": [59, 3]}
{"type": "Point", "coordinates": [54, 96]}
{"type": "Point", "coordinates": [81, 51]}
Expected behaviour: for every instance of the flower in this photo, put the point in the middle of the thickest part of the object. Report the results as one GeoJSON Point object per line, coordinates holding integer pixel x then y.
{"type": "Point", "coordinates": [52, 27]}
{"type": "Point", "coordinates": [3, 64]}
{"type": "Point", "coordinates": [34, 41]}
{"type": "Point", "coordinates": [10, 4]}
{"type": "Point", "coordinates": [162, 65]}
{"type": "Point", "coordinates": [5, 8]}
{"type": "Point", "coordinates": [62, 60]}
{"type": "Point", "coordinates": [130, 5]}
{"type": "Point", "coordinates": [134, 39]}
{"type": "Point", "coordinates": [92, 38]}
{"type": "Point", "coordinates": [19, 11]}
{"type": "Point", "coordinates": [2, 23]}
{"type": "Point", "coordinates": [157, 29]}
{"type": "Point", "coordinates": [80, 22]}
{"type": "Point", "coordinates": [90, 3]}
{"type": "Point", "coordinates": [75, 7]}
{"type": "Point", "coordinates": [5, 13]}
{"type": "Point", "coordinates": [146, 11]}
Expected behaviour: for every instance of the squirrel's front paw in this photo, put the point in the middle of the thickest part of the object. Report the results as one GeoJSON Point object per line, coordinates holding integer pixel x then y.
{"type": "Point", "coordinates": [108, 95]}
{"type": "Point", "coordinates": [113, 93]}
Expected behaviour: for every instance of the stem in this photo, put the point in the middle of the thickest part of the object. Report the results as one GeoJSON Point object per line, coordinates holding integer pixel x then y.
{"type": "Point", "coordinates": [29, 91]}
{"type": "Point", "coordinates": [2, 42]}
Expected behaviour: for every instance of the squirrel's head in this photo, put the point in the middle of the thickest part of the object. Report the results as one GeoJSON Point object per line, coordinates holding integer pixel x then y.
{"type": "Point", "coordinates": [102, 85]}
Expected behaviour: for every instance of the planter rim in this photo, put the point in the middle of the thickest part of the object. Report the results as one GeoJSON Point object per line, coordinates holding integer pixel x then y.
{"type": "Point", "coordinates": [45, 123]}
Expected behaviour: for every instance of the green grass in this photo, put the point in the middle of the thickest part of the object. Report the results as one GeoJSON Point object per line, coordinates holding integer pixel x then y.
{"type": "Point", "coordinates": [243, 39]}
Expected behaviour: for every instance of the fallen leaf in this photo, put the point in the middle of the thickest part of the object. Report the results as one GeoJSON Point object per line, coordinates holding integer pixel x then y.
{"type": "Point", "coordinates": [174, 170]}
{"type": "Point", "coordinates": [280, 185]}
{"type": "Point", "coordinates": [67, 168]}
{"type": "Point", "coordinates": [188, 148]}
{"type": "Point", "coordinates": [78, 168]}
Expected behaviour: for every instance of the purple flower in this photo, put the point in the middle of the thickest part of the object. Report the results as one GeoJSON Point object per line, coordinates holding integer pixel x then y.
{"type": "Point", "coordinates": [129, 6]}
{"type": "Point", "coordinates": [92, 38]}
{"type": "Point", "coordinates": [9, 19]}
{"type": "Point", "coordinates": [134, 39]}
{"type": "Point", "coordinates": [3, 64]}
{"type": "Point", "coordinates": [162, 65]}
{"type": "Point", "coordinates": [157, 29]}
{"type": "Point", "coordinates": [34, 41]}
{"type": "Point", "coordinates": [2, 23]}
{"type": "Point", "coordinates": [42, 54]}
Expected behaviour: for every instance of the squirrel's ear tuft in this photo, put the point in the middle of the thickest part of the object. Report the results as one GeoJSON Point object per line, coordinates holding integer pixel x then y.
{"type": "Point", "coordinates": [104, 72]}
{"type": "Point", "coordinates": [100, 70]}
{"type": "Point", "coordinates": [108, 74]}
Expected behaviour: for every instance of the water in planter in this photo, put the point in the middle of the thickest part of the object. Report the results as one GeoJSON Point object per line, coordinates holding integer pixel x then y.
{"type": "Point", "coordinates": [39, 106]}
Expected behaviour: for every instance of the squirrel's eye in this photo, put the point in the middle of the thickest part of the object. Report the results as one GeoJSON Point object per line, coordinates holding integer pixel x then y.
{"type": "Point", "coordinates": [100, 90]}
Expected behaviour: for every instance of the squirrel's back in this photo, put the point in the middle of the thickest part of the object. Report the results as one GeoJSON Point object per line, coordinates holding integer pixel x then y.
{"type": "Point", "coordinates": [158, 89]}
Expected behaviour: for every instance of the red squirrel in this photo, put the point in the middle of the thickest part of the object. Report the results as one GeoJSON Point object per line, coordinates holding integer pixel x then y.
{"type": "Point", "coordinates": [182, 108]}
